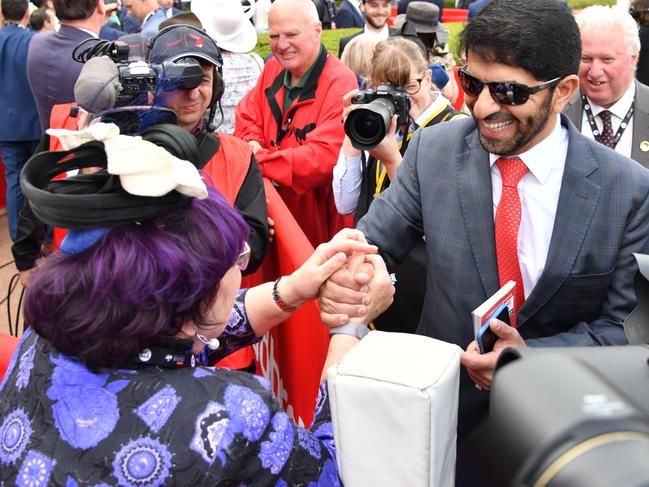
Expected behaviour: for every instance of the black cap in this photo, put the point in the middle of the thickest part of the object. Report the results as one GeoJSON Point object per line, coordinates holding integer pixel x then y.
{"type": "Point", "coordinates": [180, 41]}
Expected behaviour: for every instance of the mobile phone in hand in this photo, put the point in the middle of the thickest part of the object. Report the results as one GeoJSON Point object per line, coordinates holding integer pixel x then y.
{"type": "Point", "coordinates": [485, 337]}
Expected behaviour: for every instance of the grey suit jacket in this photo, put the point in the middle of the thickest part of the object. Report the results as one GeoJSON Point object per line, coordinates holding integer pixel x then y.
{"type": "Point", "coordinates": [640, 120]}
{"type": "Point", "coordinates": [51, 71]}
{"type": "Point", "coordinates": [443, 191]}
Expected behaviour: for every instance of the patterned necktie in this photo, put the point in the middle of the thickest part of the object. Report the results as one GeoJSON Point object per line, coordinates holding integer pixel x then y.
{"type": "Point", "coordinates": [607, 136]}
{"type": "Point", "coordinates": [508, 221]}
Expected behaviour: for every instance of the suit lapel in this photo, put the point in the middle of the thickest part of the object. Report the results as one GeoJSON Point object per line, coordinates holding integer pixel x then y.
{"type": "Point", "coordinates": [577, 203]}
{"type": "Point", "coordinates": [474, 185]}
{"type": "Point", "coordinates": [641, 125]}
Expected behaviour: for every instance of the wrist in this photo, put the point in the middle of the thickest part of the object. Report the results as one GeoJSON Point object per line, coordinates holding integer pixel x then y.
{"type": "Point", "coordinates": [358, 330]}
{"type": "Point", "coordinates": [284, 295]}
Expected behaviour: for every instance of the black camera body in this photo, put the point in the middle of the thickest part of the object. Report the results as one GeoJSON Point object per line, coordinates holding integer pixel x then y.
{"type": "Point", "coordinates": [138, 77]}
{"type": "Point", "coordinates": [367, 125]}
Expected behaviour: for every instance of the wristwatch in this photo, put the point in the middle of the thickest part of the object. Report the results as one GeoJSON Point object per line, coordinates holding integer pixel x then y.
{"type": "Point", "coordinates": [358, 330]}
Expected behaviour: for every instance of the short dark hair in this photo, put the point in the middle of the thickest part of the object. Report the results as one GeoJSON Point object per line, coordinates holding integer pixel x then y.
{"type": "Point", "coordinates": [14, 10]}
{"type": "Point", "coordinates": [38, 18]}
{"type": "Point", "coordinates": [540, 36]}
{"type": "Point", "coordinates": [74, 9]}
{"type": "Point", "coordinates": [138, 284]}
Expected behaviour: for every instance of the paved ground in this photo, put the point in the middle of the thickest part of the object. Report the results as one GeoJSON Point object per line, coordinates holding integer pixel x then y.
{"type": "Point", "coordinates": [7, 272]}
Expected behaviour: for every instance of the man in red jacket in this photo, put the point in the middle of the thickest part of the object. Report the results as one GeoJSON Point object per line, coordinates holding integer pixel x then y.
{"type": "Point", "coordinates": [292, 118]}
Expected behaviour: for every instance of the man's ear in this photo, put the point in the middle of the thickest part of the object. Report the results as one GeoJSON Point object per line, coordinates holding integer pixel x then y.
{"type": "Point", "coordinates": [563, 92]}
{"type": "Point", "coordinates": [101, 9]}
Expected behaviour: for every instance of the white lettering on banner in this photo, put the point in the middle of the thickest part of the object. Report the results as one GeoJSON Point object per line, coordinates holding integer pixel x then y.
{"type": "Point", "coordinates": [265, 353]}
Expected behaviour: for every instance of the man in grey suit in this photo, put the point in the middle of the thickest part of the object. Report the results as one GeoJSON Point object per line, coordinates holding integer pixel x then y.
{"type": "Point", "coordinates": [51, 71]}
{"type": "Point", "coordinates": [570, 225]}
{"type": "Point", "coordinates": [612, 106]}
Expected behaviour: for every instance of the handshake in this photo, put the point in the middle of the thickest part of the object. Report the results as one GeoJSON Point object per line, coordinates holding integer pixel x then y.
{"type": "Point", "coordinates": [349, 279]}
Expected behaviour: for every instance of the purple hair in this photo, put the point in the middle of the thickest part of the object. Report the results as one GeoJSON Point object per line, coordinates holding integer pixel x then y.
{"type": "Point", "coordinates": [139, 283]}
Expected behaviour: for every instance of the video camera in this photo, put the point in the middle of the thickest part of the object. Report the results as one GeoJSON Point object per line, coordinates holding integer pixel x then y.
{"type": "Point", "coordinates": [367, 125]}
{"type": "Point", "coordinates": [118, 89]}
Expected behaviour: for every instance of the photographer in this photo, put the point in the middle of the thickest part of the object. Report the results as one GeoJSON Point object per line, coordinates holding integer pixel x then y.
{"type": "Point", "coordinates": [359, 177]}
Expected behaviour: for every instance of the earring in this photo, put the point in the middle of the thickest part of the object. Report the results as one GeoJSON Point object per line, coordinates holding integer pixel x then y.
{"type": "Point", "coordinates": [212, 343]}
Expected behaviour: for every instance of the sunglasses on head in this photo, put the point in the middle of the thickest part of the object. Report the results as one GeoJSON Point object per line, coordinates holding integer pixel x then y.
{"type": "Point", "coordinates": [504, 92]}
{"type": "Point", "coordinates": [244, 257]}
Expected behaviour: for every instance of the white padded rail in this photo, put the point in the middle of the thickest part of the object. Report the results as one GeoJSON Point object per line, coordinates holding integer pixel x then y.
{"type": "Point", "coordinates": [394, 401]}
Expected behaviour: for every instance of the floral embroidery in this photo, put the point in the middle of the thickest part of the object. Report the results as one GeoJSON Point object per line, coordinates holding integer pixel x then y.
{"type": "Point", "coordinates": [15, 433]}
{"type": "Point", "coordinates": [274, 453]}
{"type": "Point", "coordinates": [248, 412]}
{"type": "Point", "coordinates": [14, 358]}
{"type": "Point", "coordinates": [25, 366]}
{"type": "Point", "coordinates": [35, 470]}
{"type": "Point", "coordinates": [309, 442]}
{"type": "Point", "coordinates": [209, 429]}
{"type": "Point", "coordinates": [85, 408]}
{"type": "Point", "coordinates": [156, 410]}
{"type": "Point", "coordinates": [325, 433]}
{"type": "Point", "coordinates": [142, 462]}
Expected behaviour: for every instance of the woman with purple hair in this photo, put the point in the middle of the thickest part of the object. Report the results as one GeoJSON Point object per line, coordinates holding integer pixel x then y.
{"type": "Point", "coordinates": [108, 385]}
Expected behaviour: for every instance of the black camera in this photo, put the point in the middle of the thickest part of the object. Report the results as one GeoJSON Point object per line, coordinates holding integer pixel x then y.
{"type": "Point", "coordinates": [138, 77]}
{"type": "Point", "coordinates": [366, 126]}
{"type": "Point", "coordinates": [566, 417]}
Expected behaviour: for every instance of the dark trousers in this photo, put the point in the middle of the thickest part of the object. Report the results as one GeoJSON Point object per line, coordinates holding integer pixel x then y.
{"type": "Point", "coordinates": [14, 157]}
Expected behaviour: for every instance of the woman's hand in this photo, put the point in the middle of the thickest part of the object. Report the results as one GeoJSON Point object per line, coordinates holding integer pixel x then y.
{"type": "Point", "coordinates": [304, 284]}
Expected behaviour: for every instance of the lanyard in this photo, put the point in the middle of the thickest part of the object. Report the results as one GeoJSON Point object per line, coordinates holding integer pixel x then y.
{"type": "Point", "coordinates": [593, 125]}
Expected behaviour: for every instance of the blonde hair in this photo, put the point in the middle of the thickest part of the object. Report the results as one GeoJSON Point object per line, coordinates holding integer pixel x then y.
{"type": "Point", "coordinates": [393, 59]}
{"type": "Point", "coordinates": [358, 53]}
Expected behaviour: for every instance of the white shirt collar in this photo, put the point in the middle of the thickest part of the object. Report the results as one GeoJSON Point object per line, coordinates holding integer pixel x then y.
{"type": "Point", "coordinates": [544, 156]}
{"type": "Point", "coordinates": [620, 107]}
{"type": "Point", "coordinates": [93, 34]}
{"type": "Point", "coordinates": [383, 34]}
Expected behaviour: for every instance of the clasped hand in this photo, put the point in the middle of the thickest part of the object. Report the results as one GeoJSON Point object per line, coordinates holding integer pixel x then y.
{"type": "Point", "coordinates": [357, 292]}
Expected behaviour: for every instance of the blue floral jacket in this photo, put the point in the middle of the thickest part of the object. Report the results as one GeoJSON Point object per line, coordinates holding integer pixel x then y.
{"type": "Point", "coordinates": [62, 424]}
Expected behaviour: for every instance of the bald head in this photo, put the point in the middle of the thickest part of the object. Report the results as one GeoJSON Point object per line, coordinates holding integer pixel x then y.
{"type": "Point", "coordinates": [304, 9]}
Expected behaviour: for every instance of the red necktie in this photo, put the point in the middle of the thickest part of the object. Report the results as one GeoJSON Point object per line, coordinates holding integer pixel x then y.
{"type": "Point", "coordinates": [508, 220]}
{"type": "Point", "coordinates": [606, 137]}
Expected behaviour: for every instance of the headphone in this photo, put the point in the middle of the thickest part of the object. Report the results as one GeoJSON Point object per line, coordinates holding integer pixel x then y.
{"type": "Point", "coordinates": [175, 140]}
{"type": "Point", "coordinates": [218, 85]}
{"type": "Point", "coordinates": [635, 12]}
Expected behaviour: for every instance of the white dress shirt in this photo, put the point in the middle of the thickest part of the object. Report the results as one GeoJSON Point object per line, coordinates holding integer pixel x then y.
{"type": "Point", "coordinates": [618, 111]}
{"type": "Point", "coordinates": [347, 174]}
{"type": "Point", "coordinates": [539, 191]}
{"type": "Point", "coordinates": [382, 34]}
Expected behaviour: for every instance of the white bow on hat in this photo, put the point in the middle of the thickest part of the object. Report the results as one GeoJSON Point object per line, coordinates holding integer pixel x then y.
{"type": "Point", "coordinates": [144, 169]}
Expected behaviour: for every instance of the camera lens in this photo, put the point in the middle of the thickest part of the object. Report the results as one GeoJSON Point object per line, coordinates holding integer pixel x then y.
{"type": "Point", "coordinates": [367, 125]}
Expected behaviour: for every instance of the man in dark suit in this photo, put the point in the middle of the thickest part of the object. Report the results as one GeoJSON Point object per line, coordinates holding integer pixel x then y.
{"type": "Point", "coordinates": [377, 13]}
{"type": "Point", "coordinates": [349, 15]}
{"type": "Point", "coordinates": [612, 106]}
{"type": "Point", "coordinates": [50, 68]}
{"type": "Point", "coordinates": [564, 232]}
{"type": "Point", "coordinates": [19, 127]}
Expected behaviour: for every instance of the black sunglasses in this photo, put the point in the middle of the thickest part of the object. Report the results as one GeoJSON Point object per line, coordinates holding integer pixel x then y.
{"type": "Point", "coordinates": [504, 92]}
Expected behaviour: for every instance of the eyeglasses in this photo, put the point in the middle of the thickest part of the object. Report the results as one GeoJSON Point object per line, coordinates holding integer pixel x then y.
{"type": "Point", "coordinates": [504, 92]}
{"type": "Point", "coordinates": [244, 257]}
{"type": "Point", "coordinates": [413, 86]}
